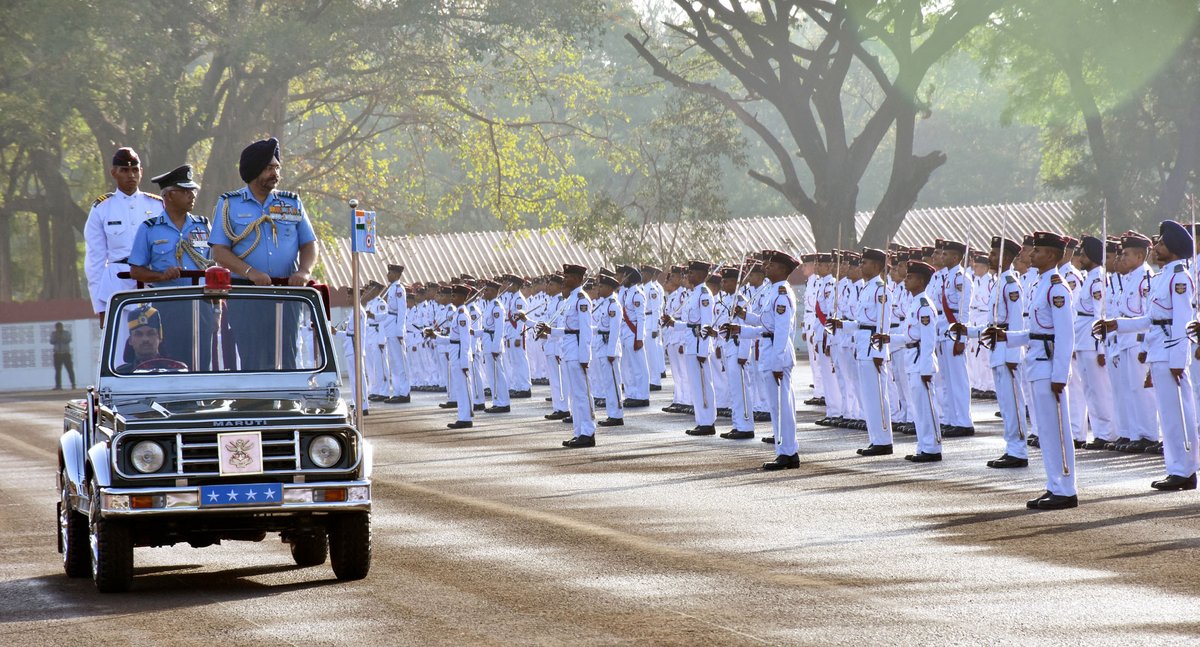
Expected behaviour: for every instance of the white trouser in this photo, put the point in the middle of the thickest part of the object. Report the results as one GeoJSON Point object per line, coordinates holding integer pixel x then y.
{"type": "Point", "coordinates": [459, 391]}
{"type": "Point", "coordinates": [925, 416]}
{"type": "Point", "coordinates": [700, 379]}
{"type": "Point", "coordinates": [609, 376]}
{"type": "Point", "coordinates": [351, 366]}
{"type": "Point", "coordinates": [1012, 411]}
{"type": "Point", "coordinates": [559, 397]}
{"type": "Point", "coordinates": [1027, 399]}
{"type": "Point", "coordinates": [495, 368]}
{"type": "Point", "coordinates": [655, 360]}
{"type": "Point", "coordinates": [953, 369]}
{"type": "Point", "coordinates": [874, 400]}
{"type": "Point", "coordinates": [634, 369]}
{"type": "Point", "coordinates": [1079, 404]}
{"type": "Point", "coordinates": [835, 402]}
{"type": "Point", "coordinates": [1054, 421]}
{"type": "Point", "coordinates": [398, 364]}
{"type": "Point", "coordinates": [477, 385]}
{"type": "Point", "coordinates": [679, 371]}
{"type": "Point", "coordinates": [1135, 401]}
{"type": "Point", "coordinates": [583, 420]}
{"type": "Point", "coordinates": [741, 398]}
{"type": "Point", "coordinates": [847, 379]}
{"type": "Point", "coordinates": [516, 364]}
{"type": "Point", "coordinates": [1177, 415]}
{"type": "Point", "coordinates": [898, 393]}
{"type": "Point", "coordinates": [814, 358]}
{"type": "Point", "coordinates": [782, 406]}
{"type": "Point", "coordinates": [377, 369]}
{"type": "Point", "coordinates": [720, 380]}
{"type": "Point", "coordinates": [1099, 393]}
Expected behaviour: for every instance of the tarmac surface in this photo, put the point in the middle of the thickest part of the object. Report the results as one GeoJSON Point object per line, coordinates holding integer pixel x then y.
{"type": "Point", "coordinates": [498, 536]}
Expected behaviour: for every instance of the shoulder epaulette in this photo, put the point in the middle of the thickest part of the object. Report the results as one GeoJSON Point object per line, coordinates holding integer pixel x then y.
{"type": "Point", "coordinates": [926, 302]}
{"type": "Point", "coordinates": [287, 194]}
{"type": "Point", "coordinates": [783, 289]}
{"type": "Point", "coordinates": [1008, 278]}
{"type": "Point", "coordinates": [230, 194]}
{"type": "Point", "coordinates": [154, 195]}
{"type": "Point", "coordinates": [1180, 268]}
{"type": "Point", "coordinates": [102, 198]}
{"type": "Point", "coordinates": [1056, 278]}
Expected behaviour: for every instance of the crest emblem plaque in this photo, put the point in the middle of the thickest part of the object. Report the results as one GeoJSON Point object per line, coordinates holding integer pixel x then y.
{"type": "Point", "coordinates": [240, 453]}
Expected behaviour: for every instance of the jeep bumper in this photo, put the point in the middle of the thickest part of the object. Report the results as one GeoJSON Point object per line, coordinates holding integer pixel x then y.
{"type": "Point", "coordinates": [336, 496]}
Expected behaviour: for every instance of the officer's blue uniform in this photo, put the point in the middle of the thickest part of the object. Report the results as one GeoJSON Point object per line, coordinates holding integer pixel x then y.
{"type": "Point", "coordinates": [267, 235]}
{"type": "Point", "coordinates": [156, 246]}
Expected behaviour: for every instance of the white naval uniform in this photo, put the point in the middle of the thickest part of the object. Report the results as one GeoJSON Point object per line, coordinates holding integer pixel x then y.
{"type": "Point", "coordinates": [1079, 405]}
{"type": "Point", "coordinates": [347, 334]}
{"type": "Point", "coordinates": [373, 349]}
{"type": "Point", "coordinates": [494, 320]}
{"type": "Point", "coordinates": [898, 354]}
{"type": "Point", "coordinates": [723, 389]}
{"type": "Point", "coordinates": [606, 349]}
{"type": "Point", "coordinates": [842, 350]}
{"type": "Point", "coordinates": [1093, 378]}
{"type": "Point", "coordinates": [760, 300]}
{"type": "Point", "coordinates": [823, 340]}
{"type": "Point", "coordinates": [395, 328]}
{"type": "Point", "coordinates": [655, 360]}
{"type": "Point", "coordinates": [955, 297]}
{"type": "Point", "coordinates": [108, 235]}
{"type": "Point", "coordinates": [808, 330]}
{"type": "Point", "coordinates": [674, 339]}
{"type": "Point", "coordinates": [1049, 337]}
{"type": "Point", "coordinates": [457, 345]}
{"type": "Point", "coordinates": [920, 341]}
{"type": "Point", "coordinates": [634, 367]}
{"type": "Point", "coordinates": [478, 396]}
{"type": "Point", "coordinates": [1141, 419]}
{"type": "Point", "coordinates": [1006, 309]}
{"type": "Point", "coordinates": [696, 317]}
{"type": "Point", "coordinates": [1168, 312]}
{"type": "Point", "coordinates": [872, 301]}
{"type": "Point", "coordinates": [736, 355]}
{"type": "Point", "coordinates": [516, 355]}
{"type": "Point", "coordinates": [982, 288]}
{"type": "Point", "coordinates": [575, 339]}
{"type": "Point", "coordinates": [560, 394]}
{"type": "Point", "coordinates": [771, 332]}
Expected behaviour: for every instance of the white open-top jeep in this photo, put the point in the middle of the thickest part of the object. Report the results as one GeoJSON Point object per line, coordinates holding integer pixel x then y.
{"type": "Point", "coordinates": [217, 416]}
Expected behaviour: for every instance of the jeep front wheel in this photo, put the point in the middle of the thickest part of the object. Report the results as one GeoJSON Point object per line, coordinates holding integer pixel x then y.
{"type": "Point", "coordinates": [112, 550]}
{"type": "Point", "coordinates": [309, 550]}
{"type": "Point", "coordinates": [73, 536]}
{"type": "Point", "coordinates": [350, 545]}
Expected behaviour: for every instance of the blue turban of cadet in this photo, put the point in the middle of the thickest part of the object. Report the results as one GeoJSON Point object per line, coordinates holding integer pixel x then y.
{"type": "Point", "coordinates": [1177, 239]}
{"type": "Point", "coordinates": [255, 158]}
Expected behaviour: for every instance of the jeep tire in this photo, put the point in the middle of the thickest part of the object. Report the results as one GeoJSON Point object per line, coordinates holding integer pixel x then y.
{"type": "Point", "coordinates": [310, 549]}
{"type": "Point", "coordinates": [112, 550]}
{"type": "Point", "coordinates": [350, 545]}
{"type": "Point", "coordinates": [73, 540]}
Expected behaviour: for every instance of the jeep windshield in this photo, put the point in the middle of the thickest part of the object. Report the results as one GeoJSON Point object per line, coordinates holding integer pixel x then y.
{"type": "Point", "coordinates": [236, 333]}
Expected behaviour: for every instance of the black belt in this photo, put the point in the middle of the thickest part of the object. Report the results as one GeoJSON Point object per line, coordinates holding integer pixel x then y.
{"type": "Point", "coordinates": [1084, 314]}
{"type": "Point", "coordinates": [603, 334]}
{"type": "Point", "coordinates": [894, 324]}
{"type": "Point", "coordinates": [1047, 343]}
{"type": "Point", "coordinates": [1161, 322]}
{"type": "Point", "coordinates": [572, 332]}
{"type": "Point", "coordinates": [454, 341]}
{"type": "Point", "coordinates": [1001, 326]}
{"type": "Point", "coordinates": [123, 261]}
{"type": "Point", "coordinates": [1037, 336]}
{"type": "Point", "coordinates": [870, 329]}
{"type": "Point", "coordinates": [912, 344]}
{"type": "Point", "coordinates": [768, 335]}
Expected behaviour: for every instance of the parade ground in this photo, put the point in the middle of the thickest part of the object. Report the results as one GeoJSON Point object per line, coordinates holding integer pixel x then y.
{"type": "Point", "coordinates": [498, 536]}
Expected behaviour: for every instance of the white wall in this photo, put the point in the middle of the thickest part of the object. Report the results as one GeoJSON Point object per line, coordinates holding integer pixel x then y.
{"type": "Point", "coordinates": [27, 359]}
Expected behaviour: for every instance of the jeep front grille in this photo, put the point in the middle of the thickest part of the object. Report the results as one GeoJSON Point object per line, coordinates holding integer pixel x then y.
{"type": "Point", "coordinates": [194, 453]}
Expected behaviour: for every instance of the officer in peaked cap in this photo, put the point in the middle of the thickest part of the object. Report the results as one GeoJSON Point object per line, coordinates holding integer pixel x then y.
{"type": "Point", "coordinates": [145, 336]}
{"type": "Point", "coordinates": [574, 334]}
{"type": "Point", "coordinates": [111, 226]}
{"type": "Point", "coordinates": [174, 239]}
{"type": "Point", "coordinates": [693, 322]}
{"type": "Point", "coordinates": [394, 327]}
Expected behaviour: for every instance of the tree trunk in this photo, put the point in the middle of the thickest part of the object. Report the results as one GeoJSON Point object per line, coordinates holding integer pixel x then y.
{"type": "Point", "coordinates": [1187, 162]}
{"type": "Point", "coordinates": [6, 288]}
{"type": "Point", "coordinates": [1106, 170]}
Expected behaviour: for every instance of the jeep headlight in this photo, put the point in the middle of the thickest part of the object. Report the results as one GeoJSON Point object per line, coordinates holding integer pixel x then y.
{"type": "Point", "coordinates": [325, 451]}
{"type": "Point", "coordinates": [147, 456]}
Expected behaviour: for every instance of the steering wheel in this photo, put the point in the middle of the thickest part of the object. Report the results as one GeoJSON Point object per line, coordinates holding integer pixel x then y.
{"type": "Point", "coordinates": [161, 364]}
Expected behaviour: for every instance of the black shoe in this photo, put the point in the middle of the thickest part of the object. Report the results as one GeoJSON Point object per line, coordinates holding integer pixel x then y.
{"type": "Point", "coordinates": [487, 393]}
{"type": "Point", "coordinates": [376, 398]}
{"type": "Point", "coordinates": [461, 424]}
{"type": "Point", "coordinates": [783, 462]}
{"type": "Point", "coordinates": [1058, 502]}
{"type": "Point", "coordinates": [701, 430]}
{"type": "Point", "coordinates": [1115, 445]}
{"type": "Point", "coordinates": [1033, 441]}
{"type": "Point", "coordinates": [480, 407]}
{"type": "Point", "coordinates": [556, 415]}
{"type": "Point", "coordinates": [815, 402]}
{"type": "Point", "coordinates": [762, 416]}
{"type": "Point", "coordinates": [448, 405]}
{"type": "Point", "coordinates": [569, 420]}
{"type": "Point", "coordinates": [908, 429]}
{"type": "Point", "coordinates": [958, 432]}
{"type": "Point", "coordinates": [438, 389]}
{"type": "Point", "coordinates": [823, 422]}
{"type": "Point", "coordinates": [1155, 448]}
{"type": "Point", "coordinates": [674, 407]}
{"type": "Point", "coordinates": [635, 403]}
{"type": "Point", "coordinates": [1032, 504]}
{"type": "Point", "coordinates": [656, 387]}
{"type": "Point", "coordinates": [580, 441]}
{"type": "Point", "coordinates": [689, 409]}
{"type": "Point", "coordinates": [598, 402]}
{"type": "Point", "coordinates": [519, 395]}
{"type": "Point", "coordinates": [769, 438]}
{"type": "Point", "coordinates": [549, 399]}
{"type": "Point", "coordinates": [922, 457]}
{"type": "Point", "coordinates": [1173, 482]}
{"type": "Point", "coordinates": [876, 450]}
{"type": "Point", "coordinates": [1097, 443]}
{"type": "Point", "coordinates": [1008, 461]}
{"type": "Point", "coordinates": [1079, 444]}
{"type": "Point", "coordinates": [724, 412]}
{"type": "Point", "coordinates": [739, 435]}
{"type": "Point", "coordinates": [1138, 446]}
{"type": "Point", "coordinates": [399, 399]}
{"type": "Point", "coordinates": [504, 409]}
{"type": "Point", "coordinates": [662, 376]}
{"type": "Point", "coordinates": [611, 422]}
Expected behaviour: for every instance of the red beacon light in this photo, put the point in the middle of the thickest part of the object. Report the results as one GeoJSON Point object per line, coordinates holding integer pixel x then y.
{"type": "Point", "coordinates": [217, 280]}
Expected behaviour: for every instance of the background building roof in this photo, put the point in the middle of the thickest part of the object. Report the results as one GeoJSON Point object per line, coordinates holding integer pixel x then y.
{"type": "Point", "coordinates": [531, 252]}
